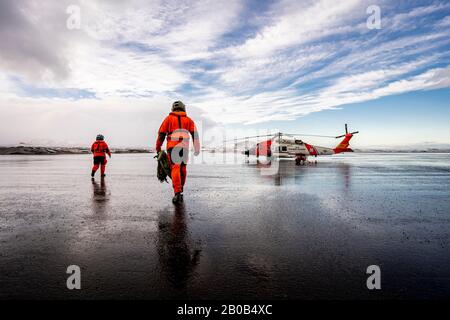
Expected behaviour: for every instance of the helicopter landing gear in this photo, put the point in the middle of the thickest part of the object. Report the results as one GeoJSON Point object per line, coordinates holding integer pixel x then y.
{"type": "Point", "coordinates": [300, 160]}
{"type": "Point", "coordinates": [247, 156]}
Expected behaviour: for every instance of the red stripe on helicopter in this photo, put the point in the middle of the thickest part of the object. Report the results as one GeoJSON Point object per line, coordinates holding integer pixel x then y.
{"type": "Point", "coordinates": [311, 149]}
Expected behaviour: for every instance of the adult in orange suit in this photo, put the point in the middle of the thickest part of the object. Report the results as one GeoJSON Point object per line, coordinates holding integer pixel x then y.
{"type": "Point", "coordinates": [100, 149]}
{"type": "Point", "coordinates": [177, 127]}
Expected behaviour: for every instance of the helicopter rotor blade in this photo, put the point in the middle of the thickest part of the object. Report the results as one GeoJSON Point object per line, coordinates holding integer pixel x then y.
{"type": "Point", "coordinates": [343, 135]}
{"type": "Point", "coordinates": [252, 137]}
{"type": "Point", "coordinates": [306, 135]}
{"type": "Point", "coordinates": [280, 134]}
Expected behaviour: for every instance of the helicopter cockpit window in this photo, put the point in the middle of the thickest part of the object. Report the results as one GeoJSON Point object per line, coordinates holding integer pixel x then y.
{"type": "Point", "coordinates": [298, 142]}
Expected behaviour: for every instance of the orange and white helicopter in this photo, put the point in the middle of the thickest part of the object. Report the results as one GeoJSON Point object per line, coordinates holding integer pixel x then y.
{"type": "Point", "coordinates": [287, 145]}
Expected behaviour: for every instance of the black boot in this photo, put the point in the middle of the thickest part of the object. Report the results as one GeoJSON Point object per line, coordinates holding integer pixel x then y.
{"type": "Point", "coordinates": [177, 198]}
{"type": "Point", "coordinates": [92, 173]}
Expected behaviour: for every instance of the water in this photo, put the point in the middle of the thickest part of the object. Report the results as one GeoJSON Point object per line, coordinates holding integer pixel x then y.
{"type": "Point", "coordinates": [306, 232]}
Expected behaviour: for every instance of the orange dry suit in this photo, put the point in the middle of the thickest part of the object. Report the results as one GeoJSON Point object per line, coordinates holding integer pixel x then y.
{"type": "Point", "coordinates": [100, 149]}
{"type": "Point", "coordinates": [178, 128]}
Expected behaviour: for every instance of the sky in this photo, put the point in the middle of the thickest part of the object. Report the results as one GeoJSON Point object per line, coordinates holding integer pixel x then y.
{"type": "Point", "coordinates": [71, 69]}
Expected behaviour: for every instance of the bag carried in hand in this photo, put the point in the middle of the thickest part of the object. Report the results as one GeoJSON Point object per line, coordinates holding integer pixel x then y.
{"type": "Point", "coordinates": [163, 170]}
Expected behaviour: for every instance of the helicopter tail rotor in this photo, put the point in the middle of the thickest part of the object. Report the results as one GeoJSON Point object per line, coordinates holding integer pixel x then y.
{"type": "Point", "coordinates": [346, 133]}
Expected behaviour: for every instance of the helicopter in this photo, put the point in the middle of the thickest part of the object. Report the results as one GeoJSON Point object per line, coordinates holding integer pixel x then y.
{"type": "Point", "coordinates": [288, 145]}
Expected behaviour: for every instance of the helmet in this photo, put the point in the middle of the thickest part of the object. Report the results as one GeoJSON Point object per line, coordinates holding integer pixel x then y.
{"type": "Point", "coordinates": [178, 106]}
{"type": "Point", "coordinates": [100, 137]}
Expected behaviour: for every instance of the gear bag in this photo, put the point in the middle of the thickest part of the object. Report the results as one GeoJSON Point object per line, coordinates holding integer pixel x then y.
{"type": "Point", "coordinates": [163, 169]}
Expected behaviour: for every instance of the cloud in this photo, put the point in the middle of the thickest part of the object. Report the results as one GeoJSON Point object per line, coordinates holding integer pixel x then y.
{"type": "Point", "coordinates": [233, 62]}
{"type": "Point", "coordinates": [121, 71]}
{"type": "Point", "coordinates": [445, 22]}
{"type": "Point", "coordinates": [403, 20]}
{"type": "Point", "coordinates": [296, 23]}
{"type": "Point", "coordinates": [56, 122]}
{"type": "Point", "coordinates": [29, 45]}
{"type": "Point", "coordinates": [287, 105]}
{"type": "Point", "coordinates": [132, 49]}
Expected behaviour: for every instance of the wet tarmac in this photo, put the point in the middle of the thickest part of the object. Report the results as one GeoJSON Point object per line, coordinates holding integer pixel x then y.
{"type": "Point", "coordinates": [306, 232]}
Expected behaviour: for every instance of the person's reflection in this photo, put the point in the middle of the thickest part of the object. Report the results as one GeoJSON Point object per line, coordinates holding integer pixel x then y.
{"type": "Point", "coordinates": [278, 179]}
{"type": "Point", "coordinates": [100, 196]}
{"type": "Point", "coordinates": [177, 256]}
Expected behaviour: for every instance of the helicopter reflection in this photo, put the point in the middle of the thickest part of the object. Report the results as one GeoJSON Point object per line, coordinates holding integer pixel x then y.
{"type": "Point", "coordinates": [345, 172]}
{"type": "Point", "coordinates": [283, 172]}
{"type": "Point", "coordinates": [177, 253]}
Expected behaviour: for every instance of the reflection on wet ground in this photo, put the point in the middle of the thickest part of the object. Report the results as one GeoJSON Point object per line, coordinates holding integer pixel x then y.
{"type": "Point", "coordinates": [245, 230]}
{"type": "Point", "coordinates": [99, 190]}
{"type": "Point", "coordinates": [100, 197]}
{"type": "Point", "coordinates": [177, 252]}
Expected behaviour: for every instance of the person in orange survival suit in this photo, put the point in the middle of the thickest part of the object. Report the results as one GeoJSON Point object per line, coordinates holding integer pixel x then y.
{"type": "Point", "coordinates": [177, 127]}
{"type": "Point", "coordinates": [100, 149]}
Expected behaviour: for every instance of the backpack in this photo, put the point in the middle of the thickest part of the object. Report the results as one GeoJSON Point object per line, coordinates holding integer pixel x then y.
{"type": "Point", "coordinates": [163, 169]}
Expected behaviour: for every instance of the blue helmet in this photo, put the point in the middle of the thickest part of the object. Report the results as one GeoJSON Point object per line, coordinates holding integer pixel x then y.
{"type": "Point", "coordinates": [100, 137]}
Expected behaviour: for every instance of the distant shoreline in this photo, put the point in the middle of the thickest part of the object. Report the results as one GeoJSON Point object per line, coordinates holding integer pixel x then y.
{"type": "Point", "coordinates": [431, 150]}
{"type": "Point", "coordinates": [29, 150]}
